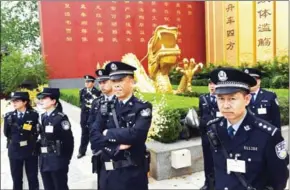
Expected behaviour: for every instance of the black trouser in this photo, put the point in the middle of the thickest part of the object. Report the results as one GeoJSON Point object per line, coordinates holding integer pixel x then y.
{"type": "Point", "coordinates": [208, 159]}
{"type": "Point", "coordinates": [85, 132]}
{"type": "Point", "coordinates": [31, 168]}
{"type": "Point", "coordinates": [55, 180]}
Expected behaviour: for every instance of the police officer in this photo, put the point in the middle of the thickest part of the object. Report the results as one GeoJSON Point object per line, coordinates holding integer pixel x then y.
{"type": "Point", "coordinates": [20, 128]}
{"type": "Point", "coordinates": [57, 143]}
{"type": "Point", "coordinates": [121, 135]}
{"type": "Point", "coordinates": [105, 86]}
{"type": "Point", "coordinates": [263, 104]}
{"type": "Point", "coordinates": [248, 152]}
{"type": "Point", "coordinates": [208, 110]}
{"type": "Point", "coordinates": [87, 95]}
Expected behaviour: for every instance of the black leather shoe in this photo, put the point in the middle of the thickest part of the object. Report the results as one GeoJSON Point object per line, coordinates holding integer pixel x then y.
{"type": "Point", "coordinates": [205, 187]}
{"type": "Point", "coordinates": [80, 155]}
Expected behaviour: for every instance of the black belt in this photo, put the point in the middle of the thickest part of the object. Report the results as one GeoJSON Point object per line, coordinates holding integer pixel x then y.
{"type": "Point", "coordinates": [112, 165]}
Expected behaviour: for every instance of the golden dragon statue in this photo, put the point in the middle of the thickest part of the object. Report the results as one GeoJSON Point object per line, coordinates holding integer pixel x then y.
{"type": "Point", "coordinates": [163, 53]}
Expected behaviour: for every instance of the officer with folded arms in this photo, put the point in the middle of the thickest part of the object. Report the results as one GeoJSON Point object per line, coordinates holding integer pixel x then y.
{"type": "Point", "coordinates": [121, 136]}
{"type": "Point", "coordinates": [248, 152]}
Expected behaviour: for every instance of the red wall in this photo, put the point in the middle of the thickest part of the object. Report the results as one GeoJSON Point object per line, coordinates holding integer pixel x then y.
{"type": "Point", "coordinates": [62, 21]}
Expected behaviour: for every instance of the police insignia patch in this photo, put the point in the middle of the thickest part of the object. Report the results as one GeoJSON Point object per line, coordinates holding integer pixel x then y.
{"type": "Point", "coordinates": [276, 100]}
{"type": "Point", "coordinates": [65, 125]}
{"type": "Point", "coordinates": [281, 151]}
{"type": "Point", "coordinates": [146, 112]}
{"type": "Point", "coordinates": [114, 67]}
{"type": "Point", "coordinates": [222, 76]}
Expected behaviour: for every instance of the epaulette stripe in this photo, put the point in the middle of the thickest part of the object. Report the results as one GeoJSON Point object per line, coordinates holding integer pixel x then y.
{"type": "Point", "coordinates": [274, 131]}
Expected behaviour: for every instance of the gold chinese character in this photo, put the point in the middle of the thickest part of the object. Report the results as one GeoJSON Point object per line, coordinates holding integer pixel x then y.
{"type": "Point", "coordinates": [166, 4]}
{"type": "Point", "coordinates": [98, 7]}
{"type": "Point", "coordinates": [127, 16]}
{"type": "Point", "coordinates": [178, 19]}
{"type": "Point", "coordinates": [141, 17]}
{"type": "Point", "coordinates": [153, 2]}
{"type": "Point", "coordinates": [230, 7]}
{"type": "Point", "coordinates": [113, 8]}
{"type": "Point", "coordinates": [179, 40]}
{"type": "Point", "coordinates": [128, 32]}
{"type": "Point", "coordinates": [166, 19]}
{"type": "Point", "coordinates": [140, 2]}
{"type": "Point", "coordinates": [230, 20]}
{"type": "Point", "coordinates": [154, 18]}
{"type": "Point", "coordinates": [141, 24]}
{"type": "Point", "coordinates": [68, 30]}
{"type": "Point", "coordinates": [84, 31]}
{"type": "Point", "coordinates": [142, 40]}
{"type": "Point", "coordinates": [128, 24]}
{"type": "Point", "coordinates": [68, 22]}
{"type": "Point", "coordinates": [154, 25]}
{"type": "Point", "coordinates": [127, 9]}
{"type": "Point", "coordinates": [100, 39]}
{"type": "Point", "coordinates": [128, 40]}
{"type": "Point", "coordinates": [83, 6]}
{"type": "Point", "coordinates": [189, 12]}
{"type": "Point", "coordinates": [83, 14]}
{"type": "Point", "coordinates": [141, 10]}
{"type": "Point", "coordinates": [142, 32]}
{"type": "Point", "coordinates": [230, 33]}
{"type": "Point", "coordinates": [189, 6]}
{"type": "Point", "coordinates": [98, 15]}
{"type": "Point", "coordinates": [99, 31]}
{"type": "Point", "coordinates": [99, 23]}
{"type": "Point", "coordinates": [84, 22]}
{"type": "Point", "coordinates": [68, 38]}
{"type": "Point", "coordinates": [264, 13]}
{"type": "Point", "coordinates": [67, 6]}
{"type": "Point", "coordinates": [67, 14]}
{"type": "Point", "coordinates": [230, 45]}
{"type": "Point", "coordinates": [178, 12]}
{"type": "Point", "coordinates": [114, 24]}
{"type": "Point", "coordinates": [114, 31]}
{"type": "Point", "coordinates": [264, 27]}
{"type": "Point", "coordinates": [154, 11]}
{"type": "Point", "coordinates": [177, 4]}
{"type": "Point", "coordinates": [114, 16]}
{"type": "Point", "coordinates": [114, 40]}
{"type": "Point", "coordinates": [264, 42]}
{"type": "Point", "coordinates": [84, 39]}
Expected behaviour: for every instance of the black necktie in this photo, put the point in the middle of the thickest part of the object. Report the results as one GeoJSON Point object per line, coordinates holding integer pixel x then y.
{"type": "Point", "coordinates": [21, 115]}
{"type": "Point", "coordinates": [231, 131]}
{"type": "Point", "coordinates": [213, 99]}
{"type": "Point", "coordinates": [121, 104]}
{"type": "Point", "coordinates": [253, 98]}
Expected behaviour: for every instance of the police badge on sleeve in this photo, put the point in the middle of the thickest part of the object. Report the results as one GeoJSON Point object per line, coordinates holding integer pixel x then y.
{"type": "Point", "coordinates": [146, 112]}
{"type": "Point", "coordinates": [281, 151]}
{"type": "Point", "coordinates": [65, 125]}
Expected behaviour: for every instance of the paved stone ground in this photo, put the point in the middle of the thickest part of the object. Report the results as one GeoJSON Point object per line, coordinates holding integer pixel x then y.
{"type": "Point", "coordinates": [80, 176]}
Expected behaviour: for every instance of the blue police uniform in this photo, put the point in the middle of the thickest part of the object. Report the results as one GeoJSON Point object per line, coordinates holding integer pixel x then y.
{"type": "Point", "coordinates": [264, 104]}
{"type": "Point", "coordinates": [250, 153]}
{"type": "Point", "coordinates": [56, 145]}
{"type": "Point", "coordinates": [86, 98]}
{"type": "Point", "coordinates": [123, 169]}
{"type": "Point", "coordinates": [208, 110]}
{"type": "Point", "coordinates": [21, 132]}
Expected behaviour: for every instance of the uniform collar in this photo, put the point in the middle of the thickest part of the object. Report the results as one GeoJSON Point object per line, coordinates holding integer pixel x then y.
{"type": "Point", "coordinates": [109, 97]}
{"type": "Point", "coordinates": [126, 100]}
{"type": "Point", "coordinates": [48, 113]}
{"type": "Point", "coordinates": [18, 112]}
{"type": "Point", "coordinates": [237, 125]}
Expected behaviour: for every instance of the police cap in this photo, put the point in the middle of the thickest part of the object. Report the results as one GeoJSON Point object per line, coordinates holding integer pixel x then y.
{"type": "Point", "coordinates": [119, 70]}
{"type": "Point", "coordinates": [89, 78]}
{"type": "Point", "coordinates": [19, 96]}
{"type": "Point", "coordinates": [230, 80]}
{"type": "Point", "coordinates": [49, 92]}
{"type": "Point", "coordinates": [102, 75]}
{"type": "Point", "coordinates": [253, 72]}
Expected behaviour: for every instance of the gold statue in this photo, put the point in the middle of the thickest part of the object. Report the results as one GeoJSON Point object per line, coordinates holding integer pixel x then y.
{"type": "Point", "coordinates": [189, 69]}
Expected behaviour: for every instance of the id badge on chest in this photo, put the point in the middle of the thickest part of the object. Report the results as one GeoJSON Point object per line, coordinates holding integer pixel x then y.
{"type": "Point", "coordinates": [49, 129]}
{"type": "Point", "coordinates": [262, 111]}
{"type": "Point", "coordinates": [236, 166]}
{"type": "Point", "coordinates": [23, 143]}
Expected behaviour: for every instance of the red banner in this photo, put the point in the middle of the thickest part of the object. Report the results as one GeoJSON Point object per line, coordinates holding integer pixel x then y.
{"type": "Point", "coordinates": [78, 35]}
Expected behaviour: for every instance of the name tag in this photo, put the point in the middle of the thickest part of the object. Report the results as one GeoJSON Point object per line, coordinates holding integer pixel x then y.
{"type": "Point", "coordinates": [23, 143]}
{"type": "Point", "coordinates": [236, 166]}
{"type": "Point", "coordinates": [109, 166]}
{"type": "Point", "coordinates": [27, 127]}
{"type": "Point", "coordinates": [218, 114]}
{"type": "Point", "coordinates": [262, 111]}
{"type": "Point", "coordinates": [49, 129]}
{"type": "Point", "coordinates": [43, 149]}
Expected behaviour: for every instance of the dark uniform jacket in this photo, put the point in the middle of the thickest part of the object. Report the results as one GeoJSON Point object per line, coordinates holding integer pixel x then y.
{"type": "Point", "coordinates": [55, 131]}
{"type": "Point", "coordinates": [134, 120]}
{"type": "Point", "coordinates": [21, 133]}
{"type": "Point", "coordinates": [260, 145]}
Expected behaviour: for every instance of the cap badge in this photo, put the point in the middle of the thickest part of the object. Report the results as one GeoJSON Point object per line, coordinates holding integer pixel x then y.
{"type": "Point", "coordinates": [247, 71]}
{"type": "Point", "coordinates": [222, 76]}
{"type": "Point", "coordinates": [114, 67]}
{"type": "Point", "coordinates": [100, 73]}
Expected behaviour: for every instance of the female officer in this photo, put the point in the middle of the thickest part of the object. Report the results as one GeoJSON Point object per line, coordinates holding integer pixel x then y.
{"type": "Point", "coordinates": [57, 142]}
{"type": "Point", "coordinates": [20, 128]}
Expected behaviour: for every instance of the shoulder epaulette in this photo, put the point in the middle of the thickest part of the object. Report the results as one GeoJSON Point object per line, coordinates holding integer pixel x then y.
{"type": "Point", "coordinates": [214, 120]}
{"type": "Point", "coordinates": [265, 126]}
{"type": "Point", "coordinates": [8, 114]}
{"type": "Point", "coordinates": [61, 114]}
